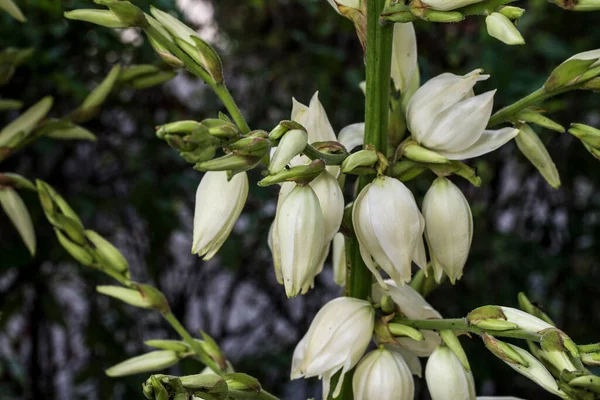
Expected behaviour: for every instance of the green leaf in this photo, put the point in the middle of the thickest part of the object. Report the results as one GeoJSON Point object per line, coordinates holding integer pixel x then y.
{"type": "Point", "coordinates": [75, 132]}
{"type": "Point", "coordinates": [26, 121]}
{"type": "Point", "coordinates": [13, 10]}
{"type": "Point", "coordinates": [16, 210]}
{"type": "Point", "coordinates": [99, 94]}
{"type": "Point", "coordinates": [9, 104]}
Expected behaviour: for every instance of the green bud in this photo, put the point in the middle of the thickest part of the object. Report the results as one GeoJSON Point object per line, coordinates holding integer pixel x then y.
{"type": "Point", "coordinates": [586, 134]}
{"type": "Point", "coordinates": [130, 296]}
{"type": "Point", "coordinates": [535, 117]}
{"type": "Point", "coordinates": [556, 340]}
{"type": "Point", "coordinates": [17, 212]}
{"type": "Point", "coordinates": [568, 73]}
{"type": "Point", "coordinates": [126, 12]}
{"type": "Point", "coordinates": [136, 71]}
{"type": "Point", "coordinates": [451, 340]}
{"type": "Point", "coordinates": [8, 104]}
{"type": "Point", "coordinates": [405, 170]}
{"type": "Point", "coordinates": [495, 325]}
{"type": "Point", "coordinates": [255, 144]}
{"type": "Point", "coordinates": [503, 351]}
{"type": "Point", "coordinates": [178, 128]}
{"type": "Point", "coordinates": [155, 360]}
{"type": "Point", "coordinates": [152, 80]}
{"type": "Point", "coordinates": [25, 123]}
{"type": "Point", "coordinates": [404, 330]}
{"type": "Point", "coordinates": [400, 16]}
{"type": "Point", "coordinates": [78, 252]}
{"type": "Point", "coordinates": [200, 154]}
{"type": "Point", "coordinates": [17, 181]}
{"type": "Point", "coordinates": [290, 145]}
{"type": "Point", "coordinates": [362, 158]}
{"type": "Point", "coordinates": [214, 351]}
{"type": "Point", "coordinates": [211, 383]}
{"type": "Point", "coordinates": [99, 17]}
{"type": "Point", "coordinates": [589, 382]}
{"type": "Point", "coordinates": [12, 9]}
{"type": "Point", "coordinates": [74, 132]}
{"type": "Point", "coordinates": [165, 344]}
{"type": "Point", "coordinates": [430, 15]}
{"type": "Point", "coordinates": [99, 94]}
{"type": "Point", "coordinates": [229, 162]}
{"type": "Point", "coordinates": [532, 309]}
{"type": "Point", "coordinates": [387, 304]}
{"type": "Point", "coordinates": [109, 254]}
{"type": "Point", "coordinates": [532, 147]}
{"type": "Point", "coordinates": [512, 12]}
{"type": "Point", "coordinates": [591, 359]}
{"type": "Point", "coordinates": [418, 153]}
{"type": "Point", "coordinates": [221, 129]}
{"type": "Point", "coordinates": [239, 381]}
{"type": "Point", "coordinates": [211, 61]}
{"type": "Point", "coordinates": [72, 228]}
{"type": "Point", "coordinates": [502, 28]}
{"type": "Point", "coordinates": [154, 297]}
{"type": "Point", "coordinates": [156, 42]}
{"type": "Point", "coordinates": [283, 127]}
{"type": "Point", "coordinates": [299, 174]}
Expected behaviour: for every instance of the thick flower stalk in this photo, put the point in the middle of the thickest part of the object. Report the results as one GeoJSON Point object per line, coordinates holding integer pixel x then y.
{"type": "Point", "coordinates": [336, 341]}
{"type": "Point", "coordinates": [219, 203]}
{"type": "Point", "coordinates": [300, 238]}
{"type": "Point", "coordinates": [446, 117]}
{"type": "Point", "coordinates": [448, 228]}
{"type": "Point", "coordinates": [383, 375]}
{"type": "Point", "coordinates": [389, 228]}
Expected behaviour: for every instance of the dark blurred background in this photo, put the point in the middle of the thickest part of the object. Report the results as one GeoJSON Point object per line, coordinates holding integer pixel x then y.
{"type": "Point", "coordinates": [57, 335]}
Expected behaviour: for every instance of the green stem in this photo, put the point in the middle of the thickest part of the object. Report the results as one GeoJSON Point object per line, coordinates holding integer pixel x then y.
{"type": "Point", "coordinates": [194, 345]}
{"type": "Point", "coordinates": [330, 159]}
{"type": "Point", "coordinates": [219, 88]}
{"type": "Point", "coordinates": [539, 95]}
{"type": "Point", "coordinates": [461, 324]}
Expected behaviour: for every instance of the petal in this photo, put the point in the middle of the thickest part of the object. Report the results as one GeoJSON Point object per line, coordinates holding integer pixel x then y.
{"type": "Point", "coordinates": [352, 136]}
{"type": "Point", "coordinates": [404, 55]}
{"type": "Point", "coordinates": [461, 125]}
{"type": "Point", "coordinates": [488, 142]}
{"type": "Point", "coordinates": [299, 112]}
{"type": "Point", "coordinates": [317, 124]}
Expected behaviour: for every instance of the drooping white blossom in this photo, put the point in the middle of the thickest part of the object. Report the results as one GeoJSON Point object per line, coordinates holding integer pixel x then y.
{"type": "Point", "coordinates": [336, 340]}
{"type": "Point", "coordinates": [446, 117]}
{"type": "Point", "coordinates": [219, 203]}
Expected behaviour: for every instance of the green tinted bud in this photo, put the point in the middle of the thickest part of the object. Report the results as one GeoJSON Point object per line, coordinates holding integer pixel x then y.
{"type": "Point", "coordinates": [205, 382]}
{"type": "Point", "coordinates": [502, 28]}
{"type": "Point", "coordinates": [79, 253]}
{"type": "Point", "coordinates": [406, 170]}
{"type": "Point", "coordinates": [130, 296]}
{"type": "Point", "coordinates": [387, 304]}
{"type": "Point", "coordinates": [529, 307]}
{"type": "Point", "coordinates": [577, 69]}
{"type": "Point", "coordinates": [136, 71]}
{"type": "Point", "coordinates": [589, 382]}
{"type": "Point", "coordinates": [154, 297]}
{"type": "Point", "coordinates": [403, 330]}
{"type": "Point", "coordinates": [165, 344]}
{"type": "Point", "coordinates": [299, 174]}
{"type": "Point", "coordinates": [255, 144]}
{"type": "Point", "coordinates": [495, 325]}
{"type": "Point", "coordinates": [586, 134]}
{"type": "Point", "coordinates": [211, 61]}
{"type": "Point", "coordinates": [108, 253]}
{"type": "Point", "coordinates": [213, 350]}
{"type": "Point", "coordinates": [126, 12]}
{"type": "Point", "coordinates": [152, 80]}
{"type": "Point", "coordinates": [8, 104]}
{"type": "Point", "coordinates": [25, 123]}
{"type": "Point", "coordinates": [532, 147]}
{"type": "Point", "coordinates": [72, 228]}
{"type": "Point", "coordinates": [290, 145]}
{"type": "Point", "coordinates": [99, 94]}
{"type": "Point", "coordinates": [15, 208]}
{"type": "Point", "coordinates": [199, 154]}
{"type": "Point", "coordinates": [512, 12]}
{"type": "Point", "coordinates": [283, 127]}
{"type": "Point", "coordinates": [238, 381]}
{"type": "Point", "coordinates": [534, 117]}
{"type": "Point", "coordinates": [504, 351]}
{"type": "Point", "coordinates": [221, 129]}
{"type": "Point", "coordinates": [229, 162]}
{"type": "Point", "coordinates": [99, 17]}
{"type": "Point", "coordinates": [451, 340]}
{"type": "Point", "coordinates": [12, 9]}
{"type": "Point", "coordinates": [178, 128]}
{"type": "Point", "coordinates": [418, 153]}
{"type": "Point", "coordinates": [148, 362]}
{"type": "Point", "coordinates": [430, 15]}
{"type": "Point", "coordinates": [57, 199]}
{"type": "Point", "coordinates": [591, 359]}
{"type": "Point", "coordinates": [362, 158]}
{"type": "Point", "coordinates": [158, 45]}
{"type": "Point", "coordinates": [17, 181]}
{"type": "Point", "coordinates": [74, 132]}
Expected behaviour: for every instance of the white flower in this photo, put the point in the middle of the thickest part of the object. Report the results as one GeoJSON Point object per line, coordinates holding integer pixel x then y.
{"type": "Point", "coordinates": [404, 69]}
{"type": "Point", "coordinates": [448, 228]}
{"type": "Point", "coordinates": [336, 340]}
{"type": "Point", "coordinates": [290, 145]}
{"type": "Point", "coordinates": [300, 237]}
{"type": "Point", "coordinates": [503, 29]}
{"type": "Point", "coordinates": [447, 5]}
{"type": "Point", "coordinates": [444, 116]}
{"type": "Point", "coordinates": [331, 200]}
{"type": "Point", "coordinates": [412, 305]}
{"type": "Point", "coordinates": [389, 229]}
{"type": "Point", "coordinates": [383, 375]}
{"type": "Point", "coordinates": [219, 203]}
{"type": "Point", "coordinates": [446, 378]}
{"type": "Point", "coordinates": [273, 240]}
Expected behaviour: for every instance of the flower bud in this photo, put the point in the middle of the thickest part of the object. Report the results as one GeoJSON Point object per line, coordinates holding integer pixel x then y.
{"type": "Point", "coordinates": [108, 253]}
{"type": "Point", "coordinates": [445, 117]}
{"type": "Point", "coordinates": [301, 174]}
{"type": "Point", "coordinates": [178, 128]}
{"type": "Point", "coordinates": [420, 154]}
{"type": "Point", "coordinates": [336, 340]}
{"type": "Point", "coordinates": [446, 378]}
{"type": "Point", "coordinates": [221, 129]}
{"type": "Point", "coordinates": [532, 147]}
{"type": "Point", "coordinates": [14, 133]}
{"type": "Point", "coordinates": [157, 41]}
{"type": "Point", "coordinates": [301, 236]}
{"type": "Point", "coordinates": [449, 228]}
{"type": "Point", "coordinates": [256, 144]}
{"type": "Point", "coordinates": [389, 228]}
{"type": "Point", "coordinates": [383, 375]}
{"type": "Point", "coordinates": [153, 361]}
{"type": "Point", "coordinates": [13, 10]}
{"type": "Point", "coordinates": [99, 17]}
{"type": "Point", "coordinates": [16, 210]}
{"type": "Point", "coordinates": [589, 136]}
{"type": "Point", "coordinates": [219, 203]}
{"type": "Point", "coordinates": [339, 259]}
{"type": "Point", "coordinates": [499, 26]}
{"type": "Point", "coordinates": [165, 344]}
{"type": "Point", "coordinates": [126, 12]}
{"type": "Point", "coordinates": [446, 5]}
{"type": "Point", "coordinates": [577, 69]}
{"type": "Point", "coordinates": [362, 158]}
{"type": "Point", "coordinates": [431, 15]}
{"type": "Point", "coordinates": [512, 12]}
{"type": "Point", "coordinates": [290, 145]}
{"type": "Point", "coordinates": [412, 305]}
{"type": "Point", "coordinates": [78, 252]}
{"type": "Point", "coordinates": [536, 117]}
{"type": "Point", "coordinates": [331, 200]}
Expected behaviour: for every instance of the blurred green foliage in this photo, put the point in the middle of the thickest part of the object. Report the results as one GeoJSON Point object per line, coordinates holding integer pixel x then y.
{"type": "Point", "coordinates": [137, 192]}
